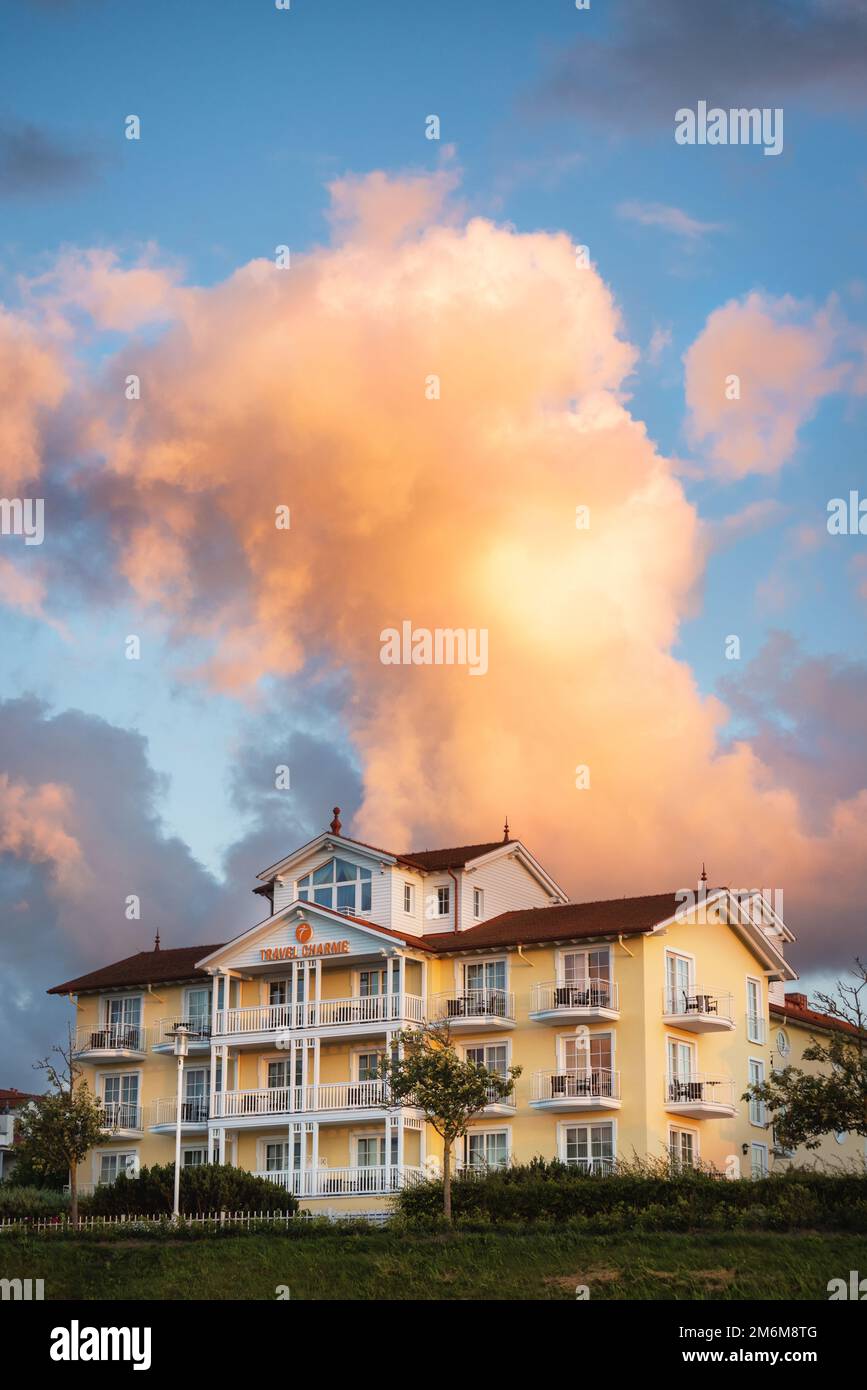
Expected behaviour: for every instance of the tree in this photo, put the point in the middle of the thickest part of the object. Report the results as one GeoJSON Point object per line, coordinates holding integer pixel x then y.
{"type": "Point", "coordinates": [804, 1105]}
{"type": "Point", "coordinates": [426, 1071]}
{"type": "Point", "coordinates": [59, 1129]}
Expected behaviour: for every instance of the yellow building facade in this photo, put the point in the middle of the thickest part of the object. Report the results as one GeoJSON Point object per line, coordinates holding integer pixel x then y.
{"type": "Point", "coordinates": [638, 1024]}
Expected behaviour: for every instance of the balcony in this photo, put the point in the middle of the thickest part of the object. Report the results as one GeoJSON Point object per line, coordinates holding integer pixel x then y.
{"type": "Point", "coordinates": [359, 1014]}
{"type": "Point", "coordinates": [344, 1182]}
{"type": "Point", "coordinates": [112, 1042]}
{"type": "Point", "coordinates": [593, 1089]}
{"type": "Point", "coordinates": [700, 1097]}
{"type": "Point", "coordinates": [162, 1115]}
{"type": "Point", "coordinates": [122, 1119]}
{"type": "Point", "coordinates": [500, 1105]}
{"type": "Point", "coordinates": [594, 1001]}
{"type": "Point", "coordinates": [199, 1040]}
{"type": "Point", "coordinates": [476, 1010]}
{"type": "Point", "coordinates": [698, 1010]}
{"type": "Point", "coordinates": [336, 1101]}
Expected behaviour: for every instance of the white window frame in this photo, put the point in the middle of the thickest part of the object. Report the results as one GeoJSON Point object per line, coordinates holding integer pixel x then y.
{"type": "Point", "coordinates": [486, 1131]}
{"type": "Point", "coordinates": [563, 1038]}
{"type": "Point", "coordinates": [194, 1148]}
{"type": "Point", "coordinates": [762, 1149]}
{"type": "Point", "coordinates": [357, 1053]}
{"type": "Point", "coordinates": [439, 890]}
{"type": "Point", "coordinates": [696, 1140]}
{"type": "Point", "coordinates": [585, 951]}
{"type": "Point", "coordinates": [99, 1154]}
{"type": "Point", "coordinates": [102, 1076]}
{"type": "Point", "coordinates": [564, 1125]}
{"type": "Point", "coordinates": [754, 1035]}
{"type": "Point", "coordinates": [463, 966]}
{"type": "Point", "coordinates": [198, 989]}
{"type": "Point", "coordinates": [680, 1042]}
{"type": "Point", "coordinates": [785, 1050]}
{"type": "Point", "coordinates": [491, 1042]}
{"type": "Point", "coordinates": [478, 903]}
{"type": "Point", "coordinates": [757, 1107]}
{"type": "Point", "coordinates": [408, 894]}
{"type": "Point", "coordinates": [671, 953]}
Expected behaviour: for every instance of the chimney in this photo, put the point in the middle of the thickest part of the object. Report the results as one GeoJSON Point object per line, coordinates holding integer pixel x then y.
{"type": "Point", "coordinates": [798, 1000]}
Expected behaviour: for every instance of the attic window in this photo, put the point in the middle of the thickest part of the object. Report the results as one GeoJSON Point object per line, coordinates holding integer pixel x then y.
{"type": "Point", "coordinates": [338, 884]}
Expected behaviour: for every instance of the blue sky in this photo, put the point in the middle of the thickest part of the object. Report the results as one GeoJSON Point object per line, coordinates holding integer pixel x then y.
{"type": "Point", "coordinates": [248, 113]}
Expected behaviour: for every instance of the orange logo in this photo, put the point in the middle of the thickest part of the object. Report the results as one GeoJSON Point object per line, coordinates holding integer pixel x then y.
{"type": "Point", "coordinates": [303, 931]}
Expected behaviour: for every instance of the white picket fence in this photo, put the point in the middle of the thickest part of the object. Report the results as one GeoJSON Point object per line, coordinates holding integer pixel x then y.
{"type": "Point", "coordinates": [215, 1220]}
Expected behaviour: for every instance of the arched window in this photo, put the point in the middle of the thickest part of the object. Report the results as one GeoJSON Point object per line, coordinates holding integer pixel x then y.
{"type": "Point", "coordinates": [338, 884]}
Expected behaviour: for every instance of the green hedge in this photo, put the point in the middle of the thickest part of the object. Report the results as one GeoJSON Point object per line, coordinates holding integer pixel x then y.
{"type": "Point", "coordinates": [205, 1188]}
{"type": "Point", "coordinates": [644, 1198]}
{"type": "Point", "coordinates": [16, 1200]}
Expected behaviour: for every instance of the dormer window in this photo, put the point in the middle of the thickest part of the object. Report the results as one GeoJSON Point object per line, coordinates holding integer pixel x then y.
{"type": "Point", "coordinates": [478, 902]}
{"type": "Point", "coordinates": [443, 901]}
{"type": "Point", "coordinates": [338, 884]}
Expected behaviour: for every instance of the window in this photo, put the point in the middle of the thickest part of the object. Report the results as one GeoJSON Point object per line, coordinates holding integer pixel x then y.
{"type": "Point", "coordinates": [759, 1160]}
{"type": "Point", "coordinates": [408, 897]}
{"type": "Point", "coordinates": [123, 1018]}
{"type": "Point", "coordinates": [370, 1151]}
{"type": "Point", "coordinates": [589, 1052]}
{"type": "Point", "coordinates": [371, 982]}
{"type": "Point", "coordinates": [588, 1146]}
{"type": "Point", "coordinates": [494, 1056]}
{"type": "Point", "coordinates": [588, 971]}
{"type": "Point", "coordinates": [783, 1043]}
{"type": "Point", "coordinates": [194, 1158]}
{"type": "Point", "coordinates": [478, 902]}
{"type": "Point", "coordinates": [682, 1148]}
{"type": "Point", "coordinates": [110, 1165]}
{"type": "Point", "coordinates": [278, 1074]}
{"type": "Point", "coordinates": [198, 1011]}
{"type": "Point", "coordinates": [681, 1060]}
{"type": "Point", "coordinates": [443, 896]}
{"type": "Point", "coordinates": [485, 975]}
{"type": "Point", "coordinates": [487, 1148]}
{"type": "Point", "coordinates": [679, 985]}
{"type": "Point", "coordinates": [338, 884]}
{"type": "Point", "coordinates": [120, 1099]}
{"type": "Point", "coordinates": [755, 1020]}
{"type": "Point", "coordinates": [368, 1066]}
{"type": "Point", "coordinates": [195, 1103]}
{"type": "Point", "coordinates": [276, 1158]}
{"type": "Point", "coordinates": [757, 1107]}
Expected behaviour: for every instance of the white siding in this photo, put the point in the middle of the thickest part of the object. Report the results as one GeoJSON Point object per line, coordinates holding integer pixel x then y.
{"type": "Point", "coordinates": [506, 885]}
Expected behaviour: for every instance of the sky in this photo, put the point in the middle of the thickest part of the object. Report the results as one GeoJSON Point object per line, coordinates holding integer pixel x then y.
{"type": "Point", "coordinates": [672, 336]}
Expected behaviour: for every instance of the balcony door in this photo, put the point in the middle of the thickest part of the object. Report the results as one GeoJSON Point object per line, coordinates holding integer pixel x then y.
{"type": "Point", "coordinates": [681, 1060]}
{"type": "Point", "coordinates": [678, 982]}
{"type": "Point", "coordinates": [198, 1012]}
{"type": "Point", "coordinates": [591, 1052]}
{"type": "Point", "coordinates": [485, 975]}
{"type": "Point", "coordinates": [123, 1017]}
{"type": "Point", "coordinates": [120, 1097]}
{"type": "Point", "coordinates": [196, 1094]}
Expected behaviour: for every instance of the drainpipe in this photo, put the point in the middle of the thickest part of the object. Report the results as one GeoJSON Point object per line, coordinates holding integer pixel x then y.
{"type": "Point", "coordinates": [626, 948]}
{"type": "Point", "coordinates": [455, 882]}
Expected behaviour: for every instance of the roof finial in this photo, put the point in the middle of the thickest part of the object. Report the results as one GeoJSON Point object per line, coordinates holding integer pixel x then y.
{"type": "Point", "coordinates": [506, 832]}
{"type": "Point", "coordinates": [157, 942]}
{"type": "Point", "coordinates": [703, 873]}
{"type": "Point", "coordinates": [334, 827]}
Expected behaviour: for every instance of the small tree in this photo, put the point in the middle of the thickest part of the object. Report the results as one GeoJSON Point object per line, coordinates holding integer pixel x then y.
{"type": "Point", "coordinates": [59, 1129]}
{"type": "Point", "coordinates": [427, 1072]}
{"type": "Point", "coordinates": [804, 1106]}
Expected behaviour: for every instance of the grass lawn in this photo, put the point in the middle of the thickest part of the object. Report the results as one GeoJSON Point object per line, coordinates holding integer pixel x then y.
{"type": "Point", "coordinates": [377, 1265]}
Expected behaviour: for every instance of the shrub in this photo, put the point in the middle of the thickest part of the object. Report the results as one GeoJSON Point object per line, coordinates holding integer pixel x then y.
{"type": "Point", "coordinates": [17, 1200]}
{"type": "Point", "coordinates": [205, 1188]}
{"type": "Point", "coordinates": [645, 1197]}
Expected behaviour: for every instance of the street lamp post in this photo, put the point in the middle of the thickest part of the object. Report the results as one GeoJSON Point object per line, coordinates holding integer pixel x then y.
{"type": "Point", "coordinates": [181, 1035]}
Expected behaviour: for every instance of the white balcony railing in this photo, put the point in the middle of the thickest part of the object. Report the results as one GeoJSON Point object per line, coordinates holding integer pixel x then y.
{"type": "Point", "coordinates": [112, 1037]}
{"type": "Point", "coordinates": [344, 1182]}
{"type": "Point", "coordinates": [199, 1029]}
{"type": "Point", "coordinates": [288, 1100]}
{"type": "Point", "coordinates": [473, 1004]}
{"type": "Point", "coordinates": [121, 1114]}
{"type": "Point", "coordinates": [595, 1167]}
{"type": "Point", "coordinates": [688, 1003]}
{"type": "Point", "coordinates": [315, 1013]}
{"type": "Point", "coordinates": [576, 1085]}
{"type": "Point", "coordinates": [699, 1088]}
{"type": "Point", "coordinates": [194, 1111]}
{"type": "Point", "coordinates": [592, 994]}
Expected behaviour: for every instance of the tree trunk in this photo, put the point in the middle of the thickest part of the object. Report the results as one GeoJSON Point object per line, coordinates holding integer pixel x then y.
{"type": "Point", "coordinates": [73, 1194]}
{"type": "Point", "coordinates": [447, 1181]}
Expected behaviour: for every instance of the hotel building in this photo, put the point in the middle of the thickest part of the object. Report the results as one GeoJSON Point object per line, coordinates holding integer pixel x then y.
{"type": "Point", "coordinates": [638, 1023]}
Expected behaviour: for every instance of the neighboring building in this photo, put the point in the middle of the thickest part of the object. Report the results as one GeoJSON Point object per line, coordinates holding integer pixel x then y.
{"type": "Point", "coordinates": [793, 1026]}
{"type": "Point", "coordinates": [11, 1102]}
{"type": "Point", "coordinates": [638, 1027]}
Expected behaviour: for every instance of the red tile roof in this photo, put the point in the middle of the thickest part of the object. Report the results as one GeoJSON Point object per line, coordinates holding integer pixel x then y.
{"type": "Point", "coordinates": [564, 921]}
{"type": "Point", "coordinates": [434, 859]}
{"type": "Point", "coordinates": [796, 1010]}
{"type": "Point", "coordinates": [13, 1097]}
{"type": "Point", "coordinates": [145, 968]}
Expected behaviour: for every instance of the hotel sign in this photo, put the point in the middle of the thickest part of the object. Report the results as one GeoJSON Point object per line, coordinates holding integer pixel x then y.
{"type": "Point", "coordinates": [309, 948]}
